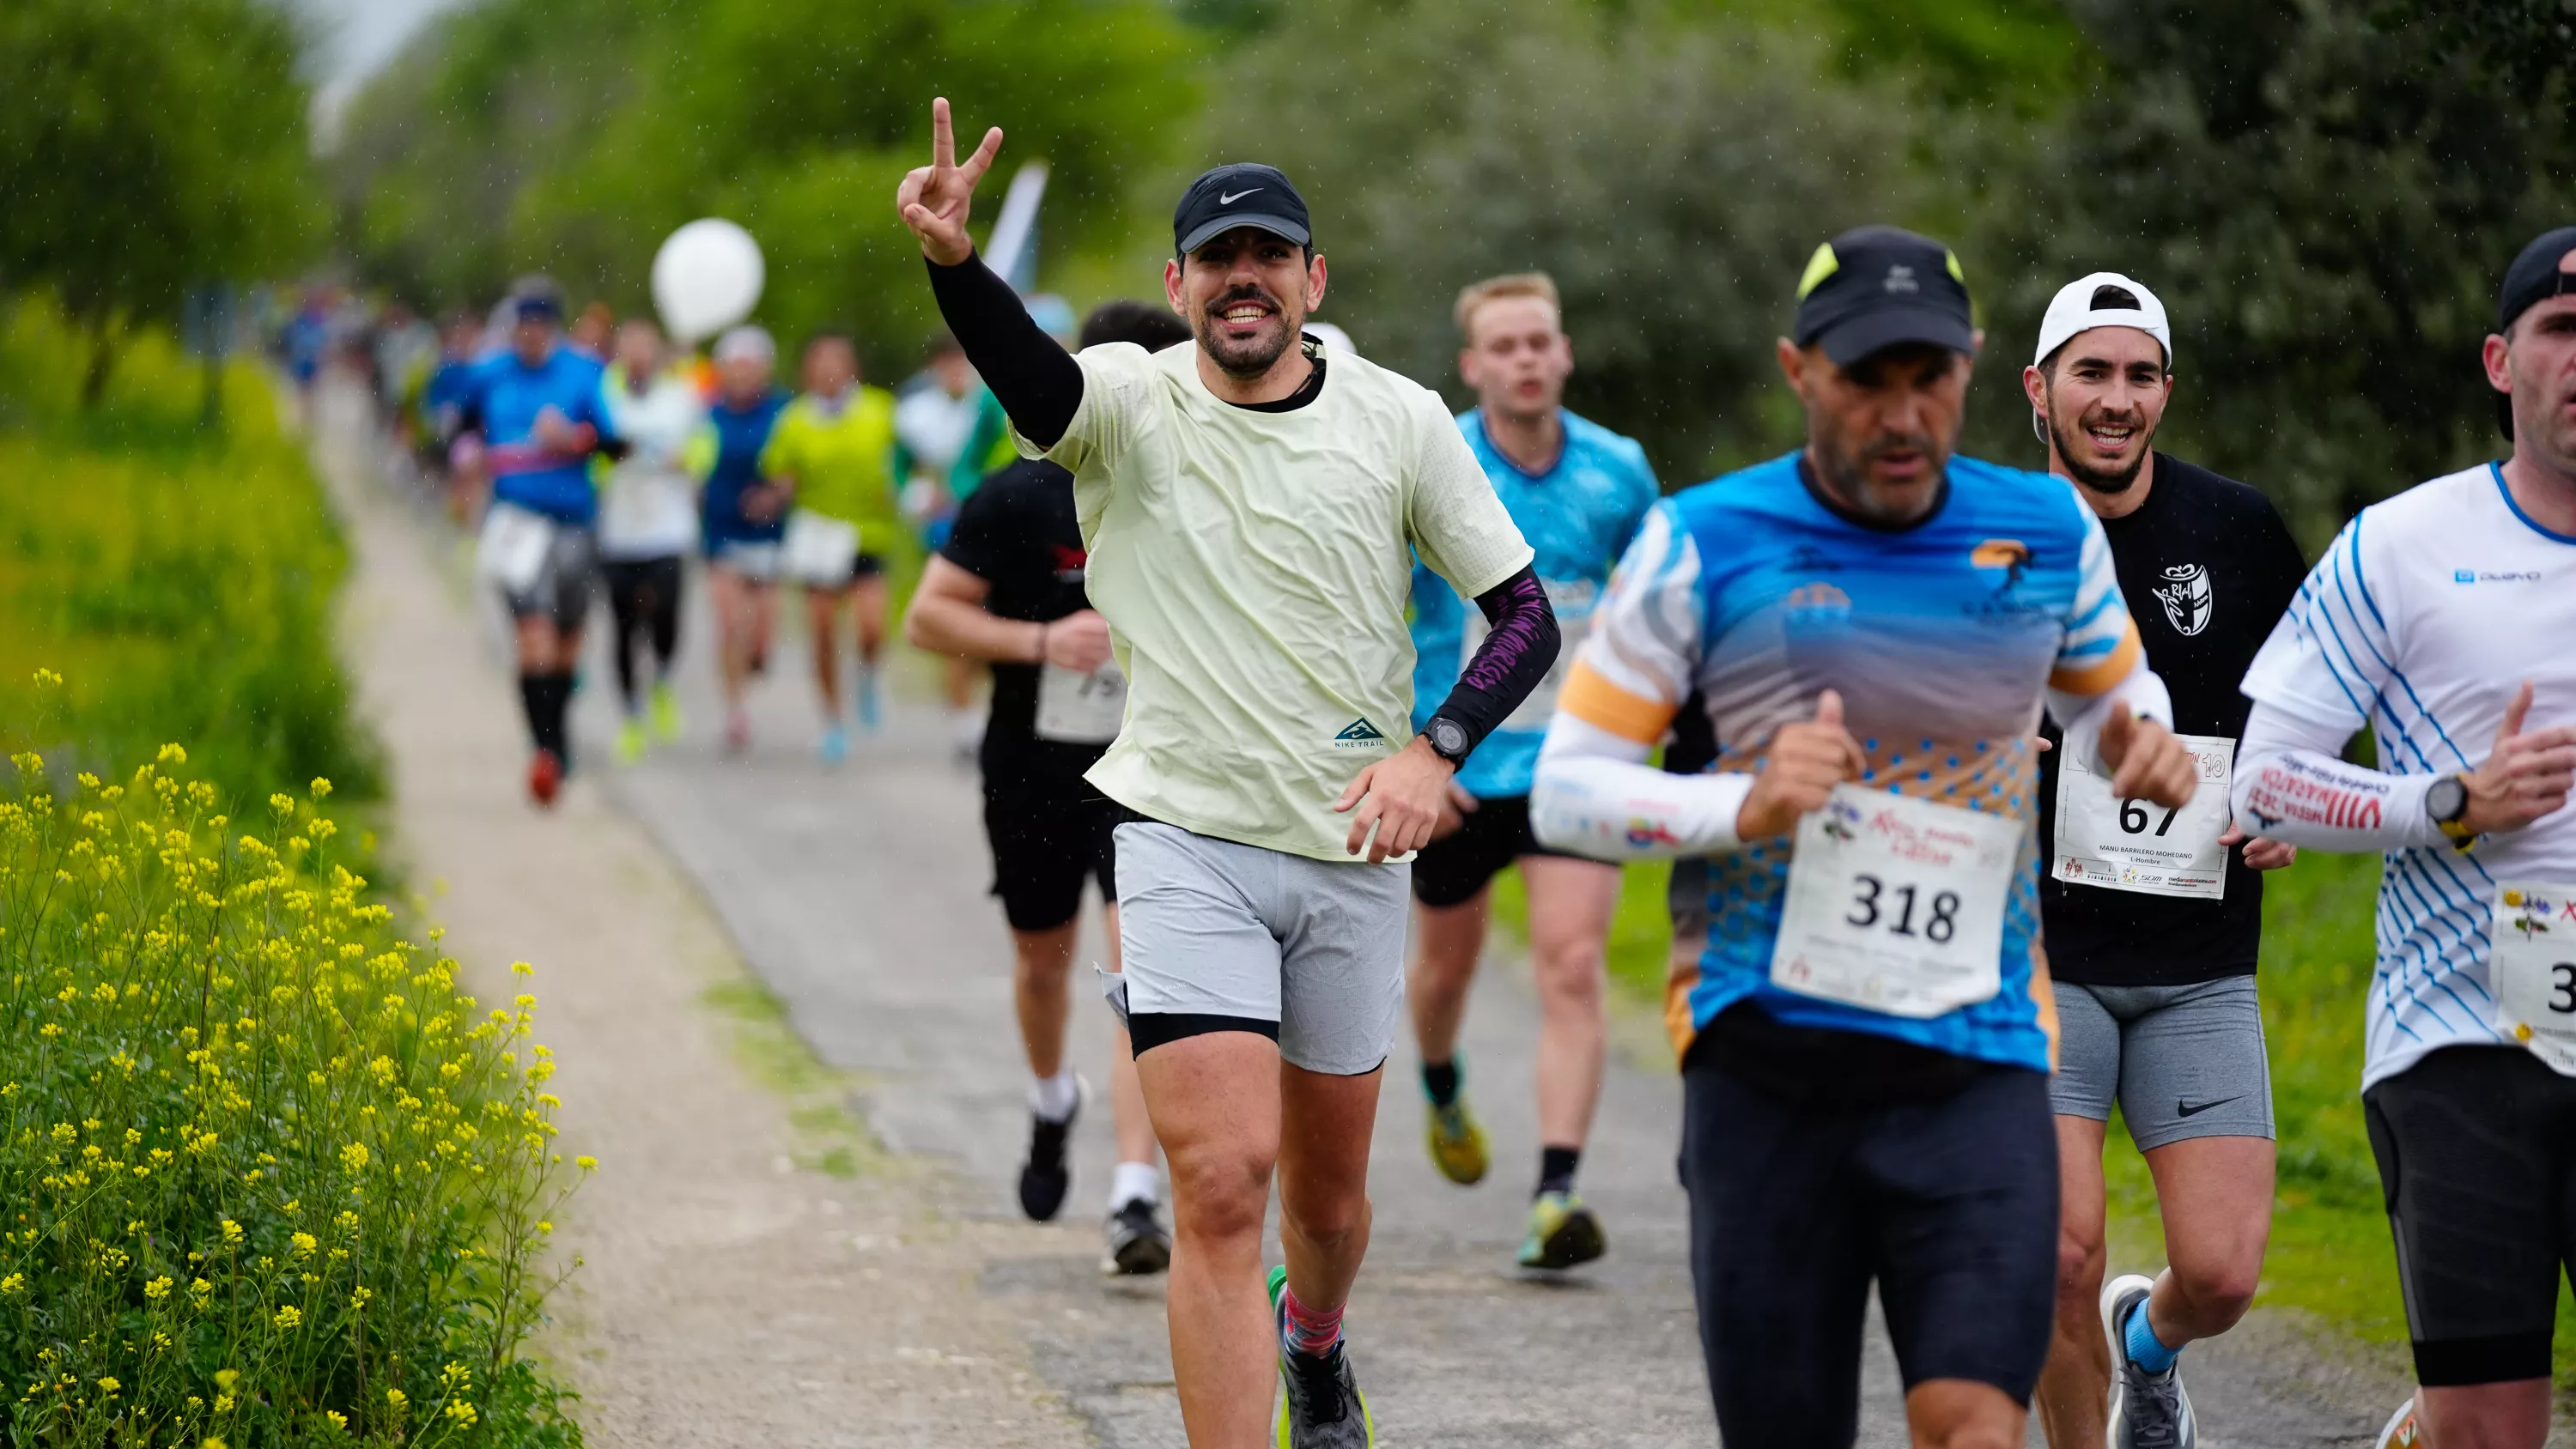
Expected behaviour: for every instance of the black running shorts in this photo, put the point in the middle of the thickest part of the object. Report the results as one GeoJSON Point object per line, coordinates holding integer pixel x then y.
{"type": "Point", "coordinates": [1451, 870]}
{"type": "Point", "coordinates": [1949, 1205]}
{"type": "Point", "coordinates": [1049, 830]}
{"type": "Point", "coordinates": [2477, 1161]}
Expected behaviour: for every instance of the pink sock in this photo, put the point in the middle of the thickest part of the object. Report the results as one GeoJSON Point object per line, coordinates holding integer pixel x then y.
{"type": "Point", "coordinates": [1309, 1330]}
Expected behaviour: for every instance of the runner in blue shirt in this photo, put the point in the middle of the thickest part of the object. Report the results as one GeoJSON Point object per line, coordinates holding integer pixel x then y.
{"type": "Point", "coordinates": [1578, 492]}
{"type": "Point", "coordinates": [536, 413]}
{"type": "Point", "coordinates": [744, 514]}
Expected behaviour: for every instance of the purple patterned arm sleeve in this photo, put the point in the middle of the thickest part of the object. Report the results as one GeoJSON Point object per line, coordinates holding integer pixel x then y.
{"type": "Point", "coordinates": [1511, 662]}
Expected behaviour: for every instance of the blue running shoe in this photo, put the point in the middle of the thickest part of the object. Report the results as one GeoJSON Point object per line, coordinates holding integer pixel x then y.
{"type": "Point", "coordinates": [836, 744]}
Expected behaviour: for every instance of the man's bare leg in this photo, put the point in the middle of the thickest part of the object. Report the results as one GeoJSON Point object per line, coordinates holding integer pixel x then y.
{"type": "Point", "coordinates": [1962, 1414]}
{"type": "Point", "coordinates": [1570, 902]}
{"type": "Point", "coordinates": [1215, 1101]}
{"type": "Point", "coordinates": [2074, 1393]}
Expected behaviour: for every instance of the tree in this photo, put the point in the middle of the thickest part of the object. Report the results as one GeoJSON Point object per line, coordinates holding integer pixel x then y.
{"type": "Point", "coordinates": [147, 145]}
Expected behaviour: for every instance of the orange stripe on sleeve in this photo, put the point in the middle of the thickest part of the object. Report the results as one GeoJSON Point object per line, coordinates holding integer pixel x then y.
{"type": "Point", "coordinates": [1593, 699]}
{"type": "Point", "coordinates": [2095, 678]}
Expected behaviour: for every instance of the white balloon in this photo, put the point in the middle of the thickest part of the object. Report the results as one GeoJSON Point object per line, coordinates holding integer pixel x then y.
{"type": "Point", "coordinates": [706, 278]}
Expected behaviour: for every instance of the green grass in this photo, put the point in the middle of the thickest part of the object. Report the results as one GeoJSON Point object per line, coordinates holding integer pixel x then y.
{"type": "Point", "coordinates": [2330, 1254]}
{"type": "Point", "coordinates": [830, 1137]}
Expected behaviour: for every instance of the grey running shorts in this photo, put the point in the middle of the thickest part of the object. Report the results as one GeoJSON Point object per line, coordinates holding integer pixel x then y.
{"type": "Point", "coordinates": [565, 581]}
{"type": "Point", "coordinates": [2184, 1061]}
{"type": "Point", "coordinates": [1225, 936]}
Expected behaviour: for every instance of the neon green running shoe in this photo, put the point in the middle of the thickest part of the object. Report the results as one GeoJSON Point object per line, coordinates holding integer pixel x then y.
{"type": "Point", "coordinates": [630, 740]}
{"type": "Point", "coordinates": [1457, 1142]}
{"type": "Point", "coordinates": [666, 713]}
{"type": "Point", "coordinates": [1320, 1404]}
{"type": "Point", "coordinates": [1562, 1233]}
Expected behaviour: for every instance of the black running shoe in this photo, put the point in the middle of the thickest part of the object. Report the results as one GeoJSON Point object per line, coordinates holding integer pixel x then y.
{"type": "Point", "coordinates": [1045, 1176]}
{"type": "Point", "coordinates": [1320, 1404]}
{"type": "Point", "coordinates": [1138, 1243]}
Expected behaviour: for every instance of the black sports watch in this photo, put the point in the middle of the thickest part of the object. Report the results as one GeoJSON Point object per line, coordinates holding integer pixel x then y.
{"type": "Point", "coordinates": [1448, 739]}
{"type": "Point", "coordinates": [2447, 801]}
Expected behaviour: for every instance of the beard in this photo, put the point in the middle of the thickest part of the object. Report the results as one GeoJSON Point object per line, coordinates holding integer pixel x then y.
{"type": "Point", "coordinates": [1246, 357]}
{"type": "Point", "coordinates": [1846, 473]}
{"type": "Point", "coordinates": [2068, 435]}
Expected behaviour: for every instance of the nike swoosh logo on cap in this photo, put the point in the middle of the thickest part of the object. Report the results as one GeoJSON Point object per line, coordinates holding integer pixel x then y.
{"type": "Point", "coordinates": [1238, 196]}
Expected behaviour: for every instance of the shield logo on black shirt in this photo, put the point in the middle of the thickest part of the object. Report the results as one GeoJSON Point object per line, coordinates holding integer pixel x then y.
{"type": "Point", "coordinates": [2187, 598]}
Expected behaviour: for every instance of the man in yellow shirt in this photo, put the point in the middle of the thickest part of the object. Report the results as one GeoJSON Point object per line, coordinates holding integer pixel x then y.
{"type": "Point", "coordinates": [834, 450]}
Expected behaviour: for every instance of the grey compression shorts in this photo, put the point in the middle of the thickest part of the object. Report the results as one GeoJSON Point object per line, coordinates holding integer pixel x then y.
{"type": "Point", "coordinates": [1216, 936]}
{"type": "Point", "coordinates": [564, 583]}
{"type": "Point", "coordinates": [2184, 1061]}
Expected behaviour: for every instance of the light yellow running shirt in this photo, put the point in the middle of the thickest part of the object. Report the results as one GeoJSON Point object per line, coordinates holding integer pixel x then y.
{"type": "Point", "coordinates": [843, 462]}
{"type": "Point", "coordinates": [1253, 567]}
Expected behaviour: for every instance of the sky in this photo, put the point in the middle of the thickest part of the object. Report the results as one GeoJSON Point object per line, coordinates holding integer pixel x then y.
{"type": "Point", "coordinates": [353, 39]}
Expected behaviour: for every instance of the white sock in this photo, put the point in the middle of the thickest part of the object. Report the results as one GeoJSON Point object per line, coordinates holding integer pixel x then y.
{"type": "Point", "coordinates": [1054, 1098]}
{"type": "Point", "coordinates": [1135, 1182]}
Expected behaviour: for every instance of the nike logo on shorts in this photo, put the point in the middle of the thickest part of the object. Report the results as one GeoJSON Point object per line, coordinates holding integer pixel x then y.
{"type": "Point", "coordinates": [2186, 1109]}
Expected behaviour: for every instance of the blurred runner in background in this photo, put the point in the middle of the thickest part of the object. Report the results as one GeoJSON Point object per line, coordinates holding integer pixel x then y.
{"type": "Point", "coordinates": [647, 521]}
{"type": "Point", "coordinates": [743, 515]}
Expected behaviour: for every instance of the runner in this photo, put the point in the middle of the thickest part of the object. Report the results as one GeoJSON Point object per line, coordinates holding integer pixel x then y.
{"type": "Point", "coordinates": [534, 413]}
{"type": "Point", "coordinates": [1248, 505]}
{"type": "Point", "coordinates": [834, 451]}
{"type": "Point", "coordinates": [1577, 491]}
{"type": "Point", "coordinates": [2441, 621]}
{"type": "Point", "coordinates": [2153, 922]}
{"type": "Point", "coordinates": [1876, 625]}
{"type": "Point", "coordinates": [1015, 560]}
{"type": "Point", "coordinates": [646, 524]}
{"type": "Point", "coordinates": [935, 419]}
{"type": "Point", "coordinates": [743, 514]}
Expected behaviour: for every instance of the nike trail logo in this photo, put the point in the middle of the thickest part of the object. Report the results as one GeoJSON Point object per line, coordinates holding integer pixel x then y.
{"type": "Point", "coordinates": [2186, 1109]}
{"type": "Point", "coordinates": [1235, 197]}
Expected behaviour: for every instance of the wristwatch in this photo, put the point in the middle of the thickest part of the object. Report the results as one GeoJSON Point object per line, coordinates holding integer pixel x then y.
{"type": "Point", "coordinates": [1448, 739]}
{"type": "Point", "coordinates": [2447, 800]}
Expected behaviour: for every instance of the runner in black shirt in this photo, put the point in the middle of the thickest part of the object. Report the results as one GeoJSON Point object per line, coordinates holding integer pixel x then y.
{"type": "Point", "coordinates": [2152, 918]}
{"type": "Point", "coordinates": [1007, 587]}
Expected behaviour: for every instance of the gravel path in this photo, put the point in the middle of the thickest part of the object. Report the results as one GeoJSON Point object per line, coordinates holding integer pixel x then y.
{"type": "Point", "coordinates": [731, 1296]}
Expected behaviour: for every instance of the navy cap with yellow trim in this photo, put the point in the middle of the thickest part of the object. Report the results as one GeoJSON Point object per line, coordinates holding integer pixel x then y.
{"type": "Point", "coordinates": [1882, 286]}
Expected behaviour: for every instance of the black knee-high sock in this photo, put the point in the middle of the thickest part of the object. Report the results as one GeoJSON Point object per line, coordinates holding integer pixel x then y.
{"type": "Point", "coordinates": [532, 699]}
{"type": "Point", "coordinates": [664, 620]}
{"type": "Point", "coordinates": [546, 695]}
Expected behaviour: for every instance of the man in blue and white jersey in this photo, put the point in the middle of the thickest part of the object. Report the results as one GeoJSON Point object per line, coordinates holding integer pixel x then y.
{"type": "Point", "coordinates": [1578, 491]}
{"type": "Point", "coordinates": [1875, 626]}
{"type": "Point", "coordinates": [2443, 621]}
{"type": "Point", "coordinates": [538, 412]}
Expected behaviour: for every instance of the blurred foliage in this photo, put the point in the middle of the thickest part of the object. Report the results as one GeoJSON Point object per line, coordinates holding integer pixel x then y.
{"type": "Point", "coordinates": [180, 578]}
{"type": "Point", "coordinates": [573, 135]}
{"type": "Point", "coordinates": [147, 146]}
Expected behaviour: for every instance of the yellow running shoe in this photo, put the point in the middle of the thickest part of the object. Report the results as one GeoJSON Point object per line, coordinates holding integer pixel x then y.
{"type": "Point", "coordinates": [1562, 1233]}
{"type": "Point", "coordinates": [666, 712]}
{"type": "Point", "coordinates": [630, 740]}
{"type": "Point", "coordinates": [1457, 1142]}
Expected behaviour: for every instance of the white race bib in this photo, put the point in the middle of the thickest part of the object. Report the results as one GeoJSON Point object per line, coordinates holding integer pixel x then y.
{"type": "Point", "coordinates": [1572, 601]}
{"type": "Point", "coordinates": [1078, 708]}
{"type": "Point", "coordinates": [511, 550]}
{"type": "Point", "coordinates": [640, 505]}
{"type": "Point", "coordinates": [1896, 904]}
{"type": "Point", "coordinates": [2533, 962]}
{"type": "Point", "coordinates": [2132, 845]}
{"type": "Point", "coordinates": [818, 550]}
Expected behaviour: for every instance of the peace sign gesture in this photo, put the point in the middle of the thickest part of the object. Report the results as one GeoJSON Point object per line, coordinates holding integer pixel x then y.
{"type": "Point", "coordinates": [932, 198]}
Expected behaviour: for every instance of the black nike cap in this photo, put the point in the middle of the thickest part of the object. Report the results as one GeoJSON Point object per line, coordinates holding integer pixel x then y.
{"type": "Point", "coordinates": [2534, 278]}
{"type": "Point", "coordinates": [1879, 286]}
{"type": "Point", "coordinates": [1243, 193]}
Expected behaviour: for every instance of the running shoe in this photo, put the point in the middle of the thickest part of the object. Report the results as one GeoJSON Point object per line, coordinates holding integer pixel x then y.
{"type": "Point", "coordinates": [1320, 1405]}
{"type": "Point", "coordinates": [545, 777]}
{"type": "Point", "coordinates": [836, 744]}
{"type": "Point", "coordinates": [1045, 1176]}
{"type": "Point", "coordinates": [1139, 1244]}
{"type": "Point", "coordinates": [1457, 1142]}
{"type": "Point", "coordinates": [666, 712]}
{"type": "Point", "coordinates": [2148, 1410]}
{"type": "Point", "coordinates": [871, 708]}
{"type": "Point", "coordinates": [2401, 1432]}
{"type": "Point", "coordinates": [737, 732]}
{"type": "Point", "coordinates": [630, 740]}
{"type": "Point", "coordinates": [1562, 1233]}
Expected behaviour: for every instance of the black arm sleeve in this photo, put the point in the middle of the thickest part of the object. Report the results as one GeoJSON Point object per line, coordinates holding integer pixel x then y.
{"type": "Point", "coordinates": [1511, 662]}
{"type": "Point", "coordinates": [1034, 378]}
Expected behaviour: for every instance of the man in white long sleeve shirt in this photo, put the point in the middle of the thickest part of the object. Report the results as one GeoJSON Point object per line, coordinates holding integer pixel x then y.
{"type": "Point", "coordinates": [2444, 621]}
{"type": "Point", "coordinates": [1874, 624]}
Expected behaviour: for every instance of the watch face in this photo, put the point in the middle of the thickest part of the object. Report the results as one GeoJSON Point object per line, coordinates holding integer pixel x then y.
{"type": "Point", "coordinates": [2447, 800]}
{"type": "Point", "coordinates": [1448, 738]}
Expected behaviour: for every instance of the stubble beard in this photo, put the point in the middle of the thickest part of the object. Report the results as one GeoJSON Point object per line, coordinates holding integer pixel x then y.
{"type": "Point", "coordinates": [2111, 482]}
{"type": "Point", "coordinates": [1250, 358]}
{"type": "Point", "coordinates": [1847, 476]}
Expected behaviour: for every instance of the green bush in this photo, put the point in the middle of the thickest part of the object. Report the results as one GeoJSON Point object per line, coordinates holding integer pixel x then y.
{"type": "Point", "coordinates": [269, 1180]}
{"type": "Point", "coordinates": [180, 575]}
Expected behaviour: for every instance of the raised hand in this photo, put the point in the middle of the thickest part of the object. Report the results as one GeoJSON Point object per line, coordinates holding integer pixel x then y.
{"type": "Point", "coordinates": [933, 199]}
{"type": "Point", "coordinates": [2147, 762]}
{"type": "Point", "coordinates": [2526, 776]}
{"type": "Point", "coordinates": [1806, 761]}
